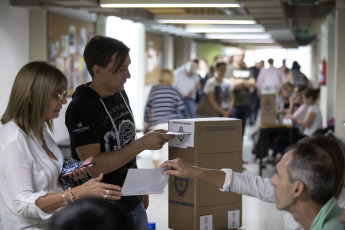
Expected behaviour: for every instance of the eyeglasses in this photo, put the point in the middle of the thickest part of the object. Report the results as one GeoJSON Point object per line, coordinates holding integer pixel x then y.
{"type": "Point", "coordinates": [61, 96]}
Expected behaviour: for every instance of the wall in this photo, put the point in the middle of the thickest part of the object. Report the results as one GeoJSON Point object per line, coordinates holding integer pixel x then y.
{"type": "Point", "coordinates": [340, 70]}
{"type": "Point", "coordinates": [182, 51]}
{"type": "Point", "coordinates": [133, 35]}
{"type": "Point", "coordinates": [14, 47]}
{"type": "Point", "coordinates": [209, 50]}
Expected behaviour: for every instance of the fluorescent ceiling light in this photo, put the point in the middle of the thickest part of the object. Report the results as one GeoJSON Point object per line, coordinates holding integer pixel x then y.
{"type": "Point", "coordinates": [238, 36]}
{"type": "Point", "coordinates": [167, 5]}
{"type": "Point", "coordinates": [250, 41]}
{"type": "Point", "coordinates": [225, 30]}
{"type": "Point", "coordinates": [187, 21]}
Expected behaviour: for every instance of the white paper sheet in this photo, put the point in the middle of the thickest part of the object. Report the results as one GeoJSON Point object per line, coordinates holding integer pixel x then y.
{"type": "Point", "coordinates": [144, 181]}
{"type": "Point", "coordinates": [179, 133]}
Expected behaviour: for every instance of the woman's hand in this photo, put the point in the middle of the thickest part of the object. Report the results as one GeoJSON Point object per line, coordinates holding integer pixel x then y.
{"type": "Point", "coordinates": [81, 171]}
{"type": "Point", "coordinates": [94, 187]}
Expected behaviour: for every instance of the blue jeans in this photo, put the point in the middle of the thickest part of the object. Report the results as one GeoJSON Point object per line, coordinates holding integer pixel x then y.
{"type": "Point", "coordinates": [241, 112]}
{"type": "Point", "coordinates": [138, 217]}
{"type": "Point", "coordinates": [190, 106]}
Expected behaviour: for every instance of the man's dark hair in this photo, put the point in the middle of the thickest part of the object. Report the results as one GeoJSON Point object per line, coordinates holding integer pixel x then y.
{"type": "Point", "coordinates": [314, 167]}
{"type": "Point", "coordinates": [270, 61]}
{"type": "Point", "coordinates": [99, 49]}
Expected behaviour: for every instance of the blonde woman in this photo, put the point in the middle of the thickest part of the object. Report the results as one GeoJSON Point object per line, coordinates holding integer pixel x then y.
{"type": "Point", "coordinates": [164, 103]}
{"type": "Point", "coordinates": [30, 160]}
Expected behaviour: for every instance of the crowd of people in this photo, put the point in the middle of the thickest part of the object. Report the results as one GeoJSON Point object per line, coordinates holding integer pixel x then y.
{"type": "Point", "coordinates": [309, 179]}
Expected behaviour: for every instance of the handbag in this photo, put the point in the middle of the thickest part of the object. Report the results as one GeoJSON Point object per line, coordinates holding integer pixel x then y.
{"type": "Point", "coordinates": [70, 164]}
{"type": "Point", "coordinates": [205, 109]}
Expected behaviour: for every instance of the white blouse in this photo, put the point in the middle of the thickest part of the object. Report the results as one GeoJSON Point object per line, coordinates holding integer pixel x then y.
{"type": "Point", "coordinates": [26, 174]}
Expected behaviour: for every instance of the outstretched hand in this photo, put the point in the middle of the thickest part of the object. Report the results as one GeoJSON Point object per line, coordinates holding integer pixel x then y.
{"type": "Point", "coordinates": [155, 139]}
{"type": "Point", "coordinates": [179, 168]}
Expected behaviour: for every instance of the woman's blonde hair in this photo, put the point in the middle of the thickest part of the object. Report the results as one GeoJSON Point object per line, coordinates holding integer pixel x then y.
{"type": "Point", "coordinates": [287, 86]}
{"type": "Point", "coordinates": [31, 95]}
{"type": "Point", "coordinates": [166, 75]}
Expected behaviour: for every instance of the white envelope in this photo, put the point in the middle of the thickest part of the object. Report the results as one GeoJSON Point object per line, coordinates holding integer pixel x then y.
{"type": "Point", "coordinates": [144, 181]}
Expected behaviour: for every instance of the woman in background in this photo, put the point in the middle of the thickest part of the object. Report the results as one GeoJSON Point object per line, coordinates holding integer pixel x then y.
{"type": "Point", "coordinates": [283, 108]}
{"type": "Point", "coordinates": [312, 121]}
{"type": "Point", "coordinates": [163, 104]}
{"type": "Point", "coordinates": [30, 160]}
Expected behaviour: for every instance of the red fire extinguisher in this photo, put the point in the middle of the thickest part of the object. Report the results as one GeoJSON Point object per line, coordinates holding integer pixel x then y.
{"type": "Point", "coordinates": [322, 72]}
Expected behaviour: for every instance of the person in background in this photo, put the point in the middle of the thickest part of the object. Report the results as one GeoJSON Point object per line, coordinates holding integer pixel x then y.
{"type": "Point", "coordinates": [204, 73]}
{"type": "Point", "coordinates": [271, 77]}
{"type": "Point", "coordinates": [312, 121]}
{"type": "Point", "coordinates": [187, 82]}
{"type": "Point", "coordinates": [91, 214]}
{"type": "Point", "coordinates": [296, 77]}
{"type": "Point", "coordinates": [284, 68]}
{"type": "Point", "coordinates": [30, 159]}
{"type": "Point", "coordinates": [283, 108]}
{"type": "Point", "coordinates": [297, 98]}
{"type": "Point", "coordinates": [242, 81]}
{"type": "Point", "coordinates": [284, 96]}
{"type": "Point", "coordinates": [254, 96]}
{"type": "Point", "coordinates": [164, 103]}
{"type": "Point", "coordinates": [219, 91]}
{"type": "Point", "coordinates": [312, 173]}
{"type": "Point", "coordinates": [101, 124]}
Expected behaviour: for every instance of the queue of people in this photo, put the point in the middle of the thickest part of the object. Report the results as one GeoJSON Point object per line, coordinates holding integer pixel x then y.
{"type": "Point", "coordinates": [309, 179]}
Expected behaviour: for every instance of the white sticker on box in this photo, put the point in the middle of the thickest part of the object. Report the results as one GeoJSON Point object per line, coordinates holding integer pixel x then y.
{"type": "Point", "coordinates": [206, 222]}
{"type": "Point", "coordinates": [182, 126]}
{"type": "Point", "coordinates": [233, 219]}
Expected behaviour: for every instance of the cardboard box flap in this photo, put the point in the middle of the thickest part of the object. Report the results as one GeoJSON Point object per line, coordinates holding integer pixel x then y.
{"type": "Point", "coordinates": [188, 126]}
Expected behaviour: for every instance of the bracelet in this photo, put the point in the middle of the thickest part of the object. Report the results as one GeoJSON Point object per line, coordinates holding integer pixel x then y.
{"type": "Point", "coordinates": [71, 194]}
{"type": "Point", "coordinates": [64, 198]}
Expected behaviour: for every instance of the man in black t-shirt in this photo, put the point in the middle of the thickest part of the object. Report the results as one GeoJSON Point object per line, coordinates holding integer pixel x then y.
{"type": "Point", "coordinates": [101, 124]}
{"type": "Point", "coordinates": [243, 82]}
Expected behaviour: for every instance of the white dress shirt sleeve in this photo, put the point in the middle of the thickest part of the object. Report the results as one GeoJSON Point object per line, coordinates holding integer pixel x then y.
{"type": "Point", "coordinates": [254, 186]}
{"type": "Point", "coordinates": [17, 169]}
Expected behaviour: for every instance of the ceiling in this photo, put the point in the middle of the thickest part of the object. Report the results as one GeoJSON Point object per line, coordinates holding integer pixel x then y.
{"type": "Point", "coordinates": [284, 23]}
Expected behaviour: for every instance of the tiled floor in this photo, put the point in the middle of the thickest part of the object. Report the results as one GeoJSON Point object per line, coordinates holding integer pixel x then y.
{"type": "Point", "coordinates": [257, 215]}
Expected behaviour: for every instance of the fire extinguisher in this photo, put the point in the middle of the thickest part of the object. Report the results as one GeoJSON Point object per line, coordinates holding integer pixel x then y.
{"type": "Point", "coordinates": [322, 72]}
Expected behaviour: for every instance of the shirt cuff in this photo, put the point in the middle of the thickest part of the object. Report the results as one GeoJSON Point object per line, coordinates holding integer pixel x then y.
{"type": "Point", "coordinates": [31, 209]}
{"type": "Point", "coordinates": [227, 181]}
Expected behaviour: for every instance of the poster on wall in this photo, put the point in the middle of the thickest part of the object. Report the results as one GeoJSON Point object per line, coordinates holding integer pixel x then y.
{"type": "Point", "coordinates": [67, 40]}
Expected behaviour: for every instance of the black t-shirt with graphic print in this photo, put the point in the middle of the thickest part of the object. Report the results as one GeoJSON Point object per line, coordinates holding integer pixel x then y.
{"type": "Point", "coordinates": [88, 122]}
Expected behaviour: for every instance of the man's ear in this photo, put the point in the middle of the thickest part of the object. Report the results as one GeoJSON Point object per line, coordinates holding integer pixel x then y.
{"type": "Point", "coordinates": [298, 188]}
{"type": "Point", "coordinates": [97, 70]}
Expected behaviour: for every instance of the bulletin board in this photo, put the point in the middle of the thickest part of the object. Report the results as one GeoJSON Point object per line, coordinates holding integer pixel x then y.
{"type": "Point", "coordinates": [67, 38]}
{"type": "Point", "coordinates": [153, 57]}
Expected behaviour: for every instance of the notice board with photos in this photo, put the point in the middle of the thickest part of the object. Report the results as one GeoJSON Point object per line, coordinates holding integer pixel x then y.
{"type": "Point", "coordinates": [67, 38]}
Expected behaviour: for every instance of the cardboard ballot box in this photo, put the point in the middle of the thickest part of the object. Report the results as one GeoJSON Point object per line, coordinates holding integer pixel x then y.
{"type": "Point", "coordinates": [268, 109]}
{"type": "Point", "coordinates": [209, 143]}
